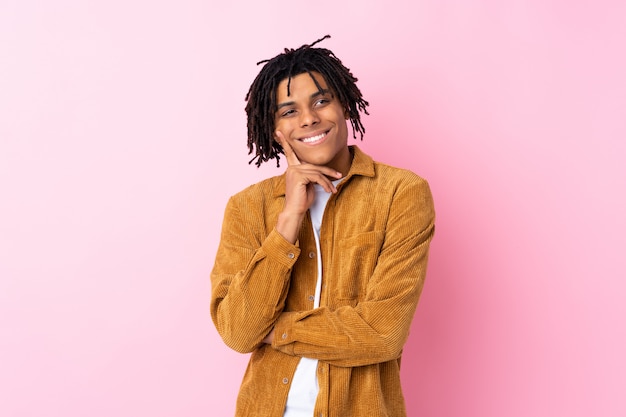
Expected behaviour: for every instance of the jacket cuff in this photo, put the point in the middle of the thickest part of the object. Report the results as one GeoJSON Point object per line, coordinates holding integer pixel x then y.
{"type": "Point", "coordinates": [279, 249]}
{"type": "Point", "coordinates": [284, 337]}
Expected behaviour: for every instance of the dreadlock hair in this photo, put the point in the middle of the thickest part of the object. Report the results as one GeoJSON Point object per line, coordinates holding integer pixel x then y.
{"type": "Point", "coordinates": [261, 104]}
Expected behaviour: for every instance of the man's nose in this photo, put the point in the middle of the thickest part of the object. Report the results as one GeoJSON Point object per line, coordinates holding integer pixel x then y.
{"type": "Point", "coordinates": [309, 117]}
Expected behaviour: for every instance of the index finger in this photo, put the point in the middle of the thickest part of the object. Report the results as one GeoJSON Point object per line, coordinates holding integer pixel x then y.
{"type": "Point", "coordinates": [292, 158]}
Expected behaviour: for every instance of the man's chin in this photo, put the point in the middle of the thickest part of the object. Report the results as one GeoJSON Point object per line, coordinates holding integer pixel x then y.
{"type": "Point", "coordinates": [315, 161]}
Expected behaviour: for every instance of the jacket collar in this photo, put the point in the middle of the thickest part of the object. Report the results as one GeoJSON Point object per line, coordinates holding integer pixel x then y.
{"type": "Point", "coordinates": [362, 164]}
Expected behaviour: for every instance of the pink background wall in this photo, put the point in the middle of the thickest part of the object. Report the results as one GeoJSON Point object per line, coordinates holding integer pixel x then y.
{"type": "Point", "coordinates": [122, 134]}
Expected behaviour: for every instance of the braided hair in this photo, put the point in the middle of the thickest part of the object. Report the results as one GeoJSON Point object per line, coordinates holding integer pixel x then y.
{"type": "Point", "coordinates": [261, 97]}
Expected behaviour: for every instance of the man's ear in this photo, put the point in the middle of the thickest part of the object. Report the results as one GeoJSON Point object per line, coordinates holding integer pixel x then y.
{"type": "Point", "coordinates": [346, 113]}
{"type": "Point", "coordinates": [276, 138]}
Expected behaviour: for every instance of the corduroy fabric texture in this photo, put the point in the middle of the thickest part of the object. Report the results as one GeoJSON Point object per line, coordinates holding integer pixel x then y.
{"type": "Point", "coordinates": [375, 237]}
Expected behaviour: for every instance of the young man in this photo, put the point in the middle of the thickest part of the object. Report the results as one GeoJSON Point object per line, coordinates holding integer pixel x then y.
{"type": "Point", "coordinates": [319, 270]}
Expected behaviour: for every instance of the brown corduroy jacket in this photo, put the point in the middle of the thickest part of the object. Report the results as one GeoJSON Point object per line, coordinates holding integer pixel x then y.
{"type": "Point", "coordinates": [374, 238]}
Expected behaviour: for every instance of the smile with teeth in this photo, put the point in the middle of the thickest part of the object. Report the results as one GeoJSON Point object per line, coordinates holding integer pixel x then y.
{"type": "Point", "coordinates": [314, 138]}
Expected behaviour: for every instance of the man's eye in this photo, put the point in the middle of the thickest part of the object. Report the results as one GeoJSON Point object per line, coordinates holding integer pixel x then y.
{"type": "Point", "coordinates": [287, 113]}
{"type": "Point", "coordinates": [322, 101]}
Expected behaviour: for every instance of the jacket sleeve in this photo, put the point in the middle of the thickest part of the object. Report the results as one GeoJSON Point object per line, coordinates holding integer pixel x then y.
{"type": "Point", "coordinates": [376, 328]}
{"type": "Point", "coordinates": [250, 279]}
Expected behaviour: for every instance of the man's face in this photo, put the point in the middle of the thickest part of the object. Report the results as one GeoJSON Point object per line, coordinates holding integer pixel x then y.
{"type": "Point", "coordinates": [313, 122]}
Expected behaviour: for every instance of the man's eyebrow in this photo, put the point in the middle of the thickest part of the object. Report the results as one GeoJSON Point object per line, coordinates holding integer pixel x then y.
{"type": "Point", "coordinates": [321, 92]}
{"type": "Point", "coordinates": [318, 93]}
{"type": "Point", "coordinates": [286, 104]}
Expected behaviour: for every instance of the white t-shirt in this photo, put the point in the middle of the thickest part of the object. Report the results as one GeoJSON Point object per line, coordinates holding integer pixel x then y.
{"type": "Point", "coordinates": [304, 386]}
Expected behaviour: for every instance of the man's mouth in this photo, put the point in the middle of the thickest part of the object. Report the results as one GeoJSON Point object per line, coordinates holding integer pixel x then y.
{"type": "Point", "coordinates": [314, 139]}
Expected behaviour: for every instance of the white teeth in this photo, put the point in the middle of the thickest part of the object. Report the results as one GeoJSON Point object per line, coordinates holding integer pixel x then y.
{"type": "Point", "coordinates": [313, 138]}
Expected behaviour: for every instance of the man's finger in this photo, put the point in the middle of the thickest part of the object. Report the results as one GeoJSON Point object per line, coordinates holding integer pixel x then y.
{"type": "Point", "coordinates": [292, 158]}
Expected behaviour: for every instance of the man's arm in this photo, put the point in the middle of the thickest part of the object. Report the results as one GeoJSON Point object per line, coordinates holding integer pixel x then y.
{"type": "Point", "coordinates": [376, 329]}
{"type": "Point", "coordinates": [250, 279]}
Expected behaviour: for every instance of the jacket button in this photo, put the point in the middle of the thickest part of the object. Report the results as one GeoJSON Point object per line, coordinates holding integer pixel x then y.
{"type": "Point", "coordinates": [311, 298]}
{"type": "Point", "coordinates": [290, 255]}
{"type": "Point", "coordinates": [284, 336]}
{"type": "Point", "coordinates": [311, 255]}
{"type": "Point", "coordinates": [285, 381]}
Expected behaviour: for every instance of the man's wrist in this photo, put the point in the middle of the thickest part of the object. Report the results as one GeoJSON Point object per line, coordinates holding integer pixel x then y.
{"type": "Point", "coordinates": [288, 225]}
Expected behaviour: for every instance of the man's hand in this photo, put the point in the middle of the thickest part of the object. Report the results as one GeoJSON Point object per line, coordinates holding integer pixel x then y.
{"type": "Point", "coordinates": [269, 338]}
{"type": "Point", "coordinates": [299, 191]}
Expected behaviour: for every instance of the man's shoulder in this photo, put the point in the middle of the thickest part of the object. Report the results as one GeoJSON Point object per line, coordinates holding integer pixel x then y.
{"type": "Point", "coordinates": [366, 166]}
{"type": "Point", "coordinates": [267, 188]}
{"type": "Point", "coordinates": [393, 174]}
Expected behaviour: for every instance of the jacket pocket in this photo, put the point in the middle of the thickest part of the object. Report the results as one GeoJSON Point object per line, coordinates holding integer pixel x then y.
{"type": "Point", "coordinates": [357, 258]}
